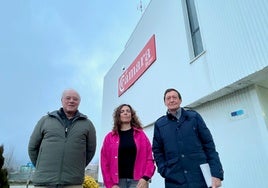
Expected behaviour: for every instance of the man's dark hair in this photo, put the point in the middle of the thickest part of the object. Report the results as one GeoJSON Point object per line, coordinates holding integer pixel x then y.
{"type": "Point", "coordinates": [172, 89]}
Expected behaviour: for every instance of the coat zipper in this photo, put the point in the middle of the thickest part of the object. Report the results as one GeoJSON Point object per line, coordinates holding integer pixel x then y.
{"type": "Point", "coordinates": [66, 131]}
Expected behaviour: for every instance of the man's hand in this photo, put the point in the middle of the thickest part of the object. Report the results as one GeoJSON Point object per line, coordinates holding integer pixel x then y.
{"type": "Point", "coordinates": [216, 182]}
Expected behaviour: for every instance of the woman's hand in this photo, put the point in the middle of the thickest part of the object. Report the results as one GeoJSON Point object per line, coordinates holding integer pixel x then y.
{"type": "Point", "coordinates": [142, 183]}
{"type": "Point", "coordinates": [115, 186]}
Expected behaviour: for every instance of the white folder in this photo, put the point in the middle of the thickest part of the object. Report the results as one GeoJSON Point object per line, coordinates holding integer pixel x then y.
{"type": "Point", "coordinates": [206, 173]}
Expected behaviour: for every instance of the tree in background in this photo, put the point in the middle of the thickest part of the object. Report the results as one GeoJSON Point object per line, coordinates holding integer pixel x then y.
{"type": "Point", "coordinates": [10, 163]}
{"type": "Point", "coordinates": [3, 173]}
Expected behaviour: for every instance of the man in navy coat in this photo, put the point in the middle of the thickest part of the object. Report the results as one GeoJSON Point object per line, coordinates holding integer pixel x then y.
{"type": "Point", "coordinates": [181, 143]}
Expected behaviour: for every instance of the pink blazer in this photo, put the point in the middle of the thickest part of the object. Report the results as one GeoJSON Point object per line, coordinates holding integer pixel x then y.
{"type": "Point", "coordinates": [144, 164]}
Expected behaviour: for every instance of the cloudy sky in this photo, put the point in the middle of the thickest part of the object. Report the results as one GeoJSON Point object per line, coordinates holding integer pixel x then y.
{"type": "Point", "coordinates": [47, 46]}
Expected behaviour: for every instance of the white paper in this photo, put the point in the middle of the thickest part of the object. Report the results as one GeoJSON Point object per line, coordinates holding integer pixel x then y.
{"type": "Point", "coordinates": [206, 173]}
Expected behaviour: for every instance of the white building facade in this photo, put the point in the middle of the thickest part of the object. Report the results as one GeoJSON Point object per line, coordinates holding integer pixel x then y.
{"type": "Point", "coordinates": [215, 53]}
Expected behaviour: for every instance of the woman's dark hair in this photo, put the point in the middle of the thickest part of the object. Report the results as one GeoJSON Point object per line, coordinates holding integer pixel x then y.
{"type": "Point", "coordinates": [172, 89]}
{"type": "Point", "coordinates": [135, 122]}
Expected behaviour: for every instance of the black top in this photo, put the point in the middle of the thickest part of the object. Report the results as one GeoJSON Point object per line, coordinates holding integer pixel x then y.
{"type": "Point", "coordinates": [126, 154]}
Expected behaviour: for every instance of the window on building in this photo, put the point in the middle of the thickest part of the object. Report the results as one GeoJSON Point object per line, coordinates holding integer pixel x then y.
{"type": "Point", "coordinates": [194, 28]}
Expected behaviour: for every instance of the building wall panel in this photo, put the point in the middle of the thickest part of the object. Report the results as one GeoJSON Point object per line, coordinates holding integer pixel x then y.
{"type": "Point", "coordinates": [239, 139]}
{"type": "Point", "coordinates": [234, 35]}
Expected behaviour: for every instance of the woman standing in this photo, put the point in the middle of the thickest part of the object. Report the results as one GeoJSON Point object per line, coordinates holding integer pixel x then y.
{"type": "Point", "coordinates": [126, 154]}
